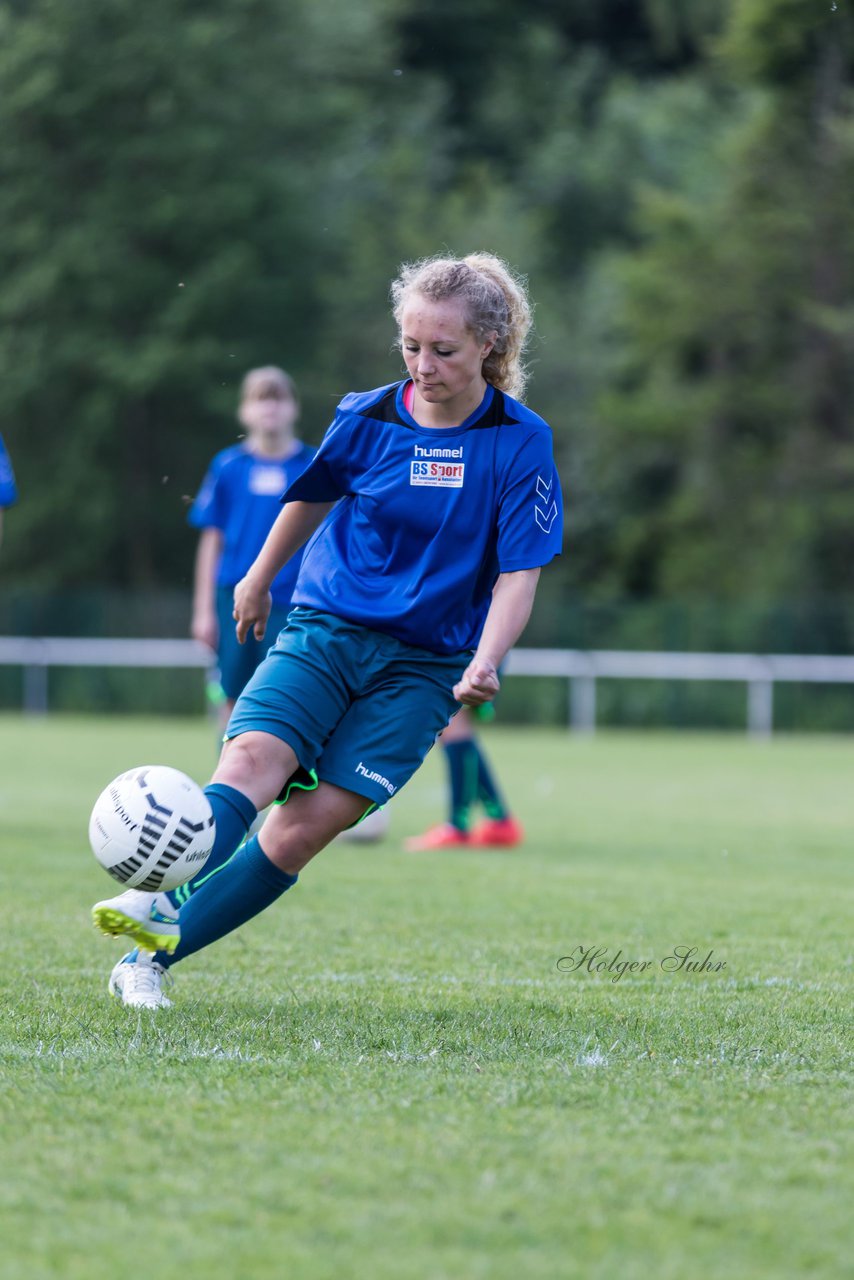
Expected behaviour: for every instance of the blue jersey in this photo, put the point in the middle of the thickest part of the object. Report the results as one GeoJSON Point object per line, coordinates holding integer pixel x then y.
{"type": "Point", "coordinates": [240, 496]}
{"type": "Point", "coordinates": [428, 517]}
{"type": "Point", "coordinates": [8, 491]}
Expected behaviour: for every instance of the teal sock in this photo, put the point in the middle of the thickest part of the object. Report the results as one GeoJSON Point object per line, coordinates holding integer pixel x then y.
{"type": "Point", "coordinates": [462, 758]}
{"type": "Point", "coordinates": [487, 788]}
{"type": "Point", "coordinates": [233, 814]}
{"type": "Point", "coordinates": [245, 886]}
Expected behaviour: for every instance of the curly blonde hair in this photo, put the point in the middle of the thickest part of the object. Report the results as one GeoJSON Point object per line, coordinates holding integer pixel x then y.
{"type": "Point", "coordinates": [496, 302]}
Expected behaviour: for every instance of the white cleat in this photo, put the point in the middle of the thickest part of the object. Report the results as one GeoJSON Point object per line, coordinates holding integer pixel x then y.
{"type": "Point", "coordinates": [138, 982]}
{"type": "Point", "coordinates": [148, 918]}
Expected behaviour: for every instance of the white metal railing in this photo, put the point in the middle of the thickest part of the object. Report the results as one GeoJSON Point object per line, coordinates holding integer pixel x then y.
{"type": "Point", "coordinates": [759, 672]}
{"type": "Point", "coordinates": [580, 667]}
{"type": "Point", "coordinates": [38, 653]}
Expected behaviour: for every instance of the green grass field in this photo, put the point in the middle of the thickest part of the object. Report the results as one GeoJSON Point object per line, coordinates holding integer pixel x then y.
{"type": "Point", "coordinates": [389, 1076]}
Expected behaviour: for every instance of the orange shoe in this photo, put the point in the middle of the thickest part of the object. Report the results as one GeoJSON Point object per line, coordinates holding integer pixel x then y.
{"type": "Point", "coordinates": [497, 833]}
{"type": "Point", "coordinates": [444, 836]}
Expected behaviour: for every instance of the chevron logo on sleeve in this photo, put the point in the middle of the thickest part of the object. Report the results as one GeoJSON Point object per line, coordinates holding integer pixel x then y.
{"type": "Point", "coordinates": [545, 515]}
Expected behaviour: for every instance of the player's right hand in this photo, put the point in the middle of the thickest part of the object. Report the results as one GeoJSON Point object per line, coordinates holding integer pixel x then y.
{"type": "Point", "coordinates": [252, 605]}
{"type": "Point", "coordinates": [479, 684]}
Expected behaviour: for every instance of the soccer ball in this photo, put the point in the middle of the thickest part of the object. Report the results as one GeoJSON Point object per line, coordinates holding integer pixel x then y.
{"type": "Point", "coordinates": [152, 828]}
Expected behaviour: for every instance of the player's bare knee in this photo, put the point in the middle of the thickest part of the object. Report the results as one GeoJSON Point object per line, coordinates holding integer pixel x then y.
{"type": "Point", "coordinates": [291, 847]}
{"type": "Point", "coordinates": [256, 764]}
{"type": "Point", "coordinates": [240, 761]}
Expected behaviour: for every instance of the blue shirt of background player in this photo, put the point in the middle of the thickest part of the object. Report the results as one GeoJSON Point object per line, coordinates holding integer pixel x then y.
{"type": "Point", "coordinates": [240, 495]}
{"type": "Point", "coordinates": [428, 516]}
{"type": "Point", "coordinates": [8, 489]}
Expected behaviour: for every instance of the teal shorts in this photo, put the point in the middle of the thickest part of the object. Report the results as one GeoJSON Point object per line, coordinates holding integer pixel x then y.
{"type": "Point", "coordinates": [359, 708]}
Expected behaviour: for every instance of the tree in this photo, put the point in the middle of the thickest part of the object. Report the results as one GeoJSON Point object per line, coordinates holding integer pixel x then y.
{"type": "Point", "coordinates": [727, 447]}
{"type": "Point", "coordinates": [159, 180]}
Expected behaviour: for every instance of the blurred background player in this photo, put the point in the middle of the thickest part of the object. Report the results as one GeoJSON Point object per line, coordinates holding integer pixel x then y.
{"type": "Point", "coordinates": [235, 510]}
{"type": "Point", "coordinates": [471, 783]}
{"type": "Point", "coordinates": [8, 490]}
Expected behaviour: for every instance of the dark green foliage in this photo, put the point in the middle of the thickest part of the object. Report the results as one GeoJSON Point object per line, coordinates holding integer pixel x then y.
{"type": "Point", "coordinates": [728, 445]}
{"type": "Point", "coordinates": [160, 234]}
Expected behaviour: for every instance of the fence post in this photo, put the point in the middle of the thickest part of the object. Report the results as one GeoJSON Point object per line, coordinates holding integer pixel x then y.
{"type": "Point", "coordinates": [582, 704]}
{"type": "Point", "coordinates": [35, 688]}
{"type": "Point", "coordinates": [760, 707]}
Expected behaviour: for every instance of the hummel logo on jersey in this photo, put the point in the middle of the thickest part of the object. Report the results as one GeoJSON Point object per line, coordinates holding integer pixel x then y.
{"type": "Point", "coordinates": [426, 469]}
{"type": "Point", "coordinates": [438, 453]}
{"type": "Point", "coordinates": [545, 515]}
{"type": "Point", "coordinates": [376, 777]}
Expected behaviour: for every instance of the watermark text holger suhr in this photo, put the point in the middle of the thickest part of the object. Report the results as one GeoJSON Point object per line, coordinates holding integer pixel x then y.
{"type": "Point", "coordinates": [681, 959]}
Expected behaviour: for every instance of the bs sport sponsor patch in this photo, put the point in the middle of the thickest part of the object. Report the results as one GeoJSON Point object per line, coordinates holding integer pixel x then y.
{"type": "Point", "coordinates": [439, 468]}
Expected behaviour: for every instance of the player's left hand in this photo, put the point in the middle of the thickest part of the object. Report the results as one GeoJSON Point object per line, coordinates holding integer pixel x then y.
{"type": "Point", "coordinates": [479, 684]}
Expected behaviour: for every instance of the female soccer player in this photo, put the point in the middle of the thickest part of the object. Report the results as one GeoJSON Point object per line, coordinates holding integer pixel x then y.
{"type": "Point", "coordinates": [429, 510]}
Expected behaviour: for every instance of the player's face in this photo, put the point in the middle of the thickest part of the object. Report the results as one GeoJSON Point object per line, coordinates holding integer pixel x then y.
{"type": "Point", "coordinates": [443, 357]}
{"type": "Point", "coordinates": [269, 415]}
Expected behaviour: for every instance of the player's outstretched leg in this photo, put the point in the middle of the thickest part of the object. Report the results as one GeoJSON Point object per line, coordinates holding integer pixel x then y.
{"type": "Point", "coordinates": [151, 919]}
{"type": "Point", "coordinates": [245, 886]}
